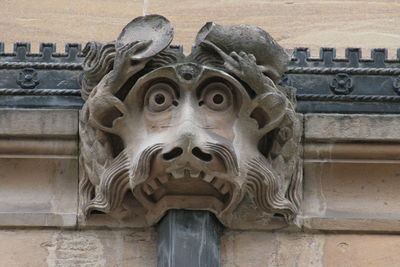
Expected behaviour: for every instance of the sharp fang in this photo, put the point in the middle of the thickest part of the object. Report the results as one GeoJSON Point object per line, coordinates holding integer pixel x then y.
{"type": "Point", "coordinates": [208, 178]}
{"type": "Point", "coordinates": [177, 174]}
{"type": "Point", "coordinates": [224, 189]}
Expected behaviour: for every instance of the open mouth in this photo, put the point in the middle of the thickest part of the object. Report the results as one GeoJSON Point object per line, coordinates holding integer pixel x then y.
{"type": "Point", "coordinates": [184, 189]}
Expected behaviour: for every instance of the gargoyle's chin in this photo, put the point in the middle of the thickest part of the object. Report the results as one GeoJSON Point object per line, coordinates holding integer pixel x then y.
{"type": "Point", "coordinates": [188, 189]}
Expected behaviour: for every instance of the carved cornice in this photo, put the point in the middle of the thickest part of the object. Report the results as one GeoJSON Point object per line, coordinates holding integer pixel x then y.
{"type": "Point", "coordinates": [348, 98]}
{"type": "Point", "coordinates": [41, 65]}
{"type": "Point", "coordinates": [375, 86]}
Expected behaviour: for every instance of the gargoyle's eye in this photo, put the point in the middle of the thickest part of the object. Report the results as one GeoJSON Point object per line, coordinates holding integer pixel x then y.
{"type": "Point", "coordinates": [216, 96]}
{"type": "Point", "coordinates": [159, 97]}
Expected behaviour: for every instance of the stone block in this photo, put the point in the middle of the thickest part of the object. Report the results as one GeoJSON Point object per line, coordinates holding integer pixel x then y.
{"type": "Point", "coordinates": [38, 167]}
{"type": "Point", "coordinates": [352, 196]}
{"type": "Point", "coordinates": [51, 247]}
{"type": "Point", "coordinates": [38, 191]}
{"type": "Point", "coordinates": [253, 249]}
{"type": "Point", "coordinates": [351, 127]}
{"type": "Point", "coordinates": [361, 250]}
{"type": "Point", "coordinates": [38, 123]}
{"type": "Point", "coordinates": [248, 249]}
{"type": "Point", "coordinates": [38, 248]}
{"type": "Point", "coordinates": [351, 172]}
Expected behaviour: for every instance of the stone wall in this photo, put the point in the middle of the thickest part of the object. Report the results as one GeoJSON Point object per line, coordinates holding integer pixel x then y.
{"type": "Point", "coordinates": [341, 23]}
{"type": "Point", "coordinates": [350, 214]}
{"type": "Point", "coordinates": [351, 211]}
{"type": "Point", "coordinates": [45, 247]}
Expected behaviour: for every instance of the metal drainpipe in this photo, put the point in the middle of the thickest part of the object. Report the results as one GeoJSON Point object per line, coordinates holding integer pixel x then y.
{"type": "Point", "coordinates": [189, 239]}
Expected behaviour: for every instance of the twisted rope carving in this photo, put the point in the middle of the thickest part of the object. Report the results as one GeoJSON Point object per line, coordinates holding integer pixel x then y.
{"type": "Point", "coordinates": [300, 97]}
{"type": "Point", "coordinates": [348, 98]}
{"type": "Point", "coordinates": [63, 92]}
{"type": "Point", "coordinates": [291, 70]}
{"type": "Point", "coordinates": [41, 65]}
{"type": "Point", "coordinates": [366, 71]}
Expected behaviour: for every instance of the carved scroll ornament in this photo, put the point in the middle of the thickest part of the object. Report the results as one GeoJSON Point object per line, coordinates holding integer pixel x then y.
{"type": "Point", "coordinates": [208, 131]}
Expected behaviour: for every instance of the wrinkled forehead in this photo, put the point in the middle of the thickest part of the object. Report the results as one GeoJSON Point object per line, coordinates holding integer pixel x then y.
{"type": "Point", "coordinates": [188, 77]}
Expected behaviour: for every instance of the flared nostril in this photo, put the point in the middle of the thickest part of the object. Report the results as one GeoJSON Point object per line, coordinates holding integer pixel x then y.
{"type": "Point", "coordinates": [174, 153]}
{"type": "Point", "coordinates": [201, 155]}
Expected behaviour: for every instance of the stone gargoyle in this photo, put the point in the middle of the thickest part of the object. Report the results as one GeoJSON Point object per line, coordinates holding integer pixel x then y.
{"type": "Point", "coordinates": [209, 131]}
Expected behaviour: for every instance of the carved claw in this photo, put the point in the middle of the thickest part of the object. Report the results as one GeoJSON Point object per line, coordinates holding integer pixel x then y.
{"type": "Point", "coordinates": [132, 50]}
{"type": "Point", "coordinates": [244, 66]}
{"type": "Point", "coordinates": [127, 56]}
{"type": "Point", "coordinates": [240, 64]}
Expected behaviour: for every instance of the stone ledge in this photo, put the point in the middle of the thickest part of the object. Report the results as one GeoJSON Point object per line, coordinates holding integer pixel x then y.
{"type": "Point", "coordinates": [373, 225]}
{"type": "Point", "coordinates": [332, 128]}
{"type": "Point", "coordinates": [352, 151]}
{"type": "Point", "coordinates": [38, 168]}
{"type": "Point", "coordinates": [44, 219]}
{"type": "Point", "coordinates": [31, 147]}
{"type": "Point", "coordinates": [39, 123]}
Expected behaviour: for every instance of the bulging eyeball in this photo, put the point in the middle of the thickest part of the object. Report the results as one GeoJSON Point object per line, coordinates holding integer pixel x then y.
{"type": "Point", "coordinates": [217, 96]}
{"type": "Point", "coordinates": [160, 97]}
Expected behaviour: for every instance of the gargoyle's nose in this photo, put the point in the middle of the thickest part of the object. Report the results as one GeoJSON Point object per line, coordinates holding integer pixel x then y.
{"type": "Point", "coordinates": [178, 152]}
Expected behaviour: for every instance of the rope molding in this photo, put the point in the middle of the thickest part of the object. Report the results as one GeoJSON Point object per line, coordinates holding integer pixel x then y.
{"type": "Point", "coordinates": [41, 92]}
{"type": "Point", "coordinates": [302, 97]}
{"type": "Point", "coordinates": [367, 71]}
{"type": "Point", "coordinates": [41, 65]}
{"type": "Point", "coordinates": [291, 70]}
{"type": "Point", "coordinates": [348, 98]}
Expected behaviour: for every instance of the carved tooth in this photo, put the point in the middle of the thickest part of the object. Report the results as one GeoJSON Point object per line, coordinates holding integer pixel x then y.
{"type": "Point", "coordinates": [147, 189]}
{"type": "Point", "coordinates": [208, 178]}
{"type": "Point", "coordinates": [186, 173]}
{"type": "Point", "coordinates": [177, 174]}
{"type": "Point", "coordinates": [153, 184]}
{"type": "Point", "coordinates": [224, 188]}
{"type": "Point", "coordinates": [217, 183]}
{"type": "Point", "coordinates": [194, 173]}
{"type": "Point", "coordinates": [163, 179]}
{"type": "Point", "coordinates": [201, 175]}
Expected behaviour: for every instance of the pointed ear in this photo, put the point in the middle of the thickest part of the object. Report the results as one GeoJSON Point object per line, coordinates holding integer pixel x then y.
{"type": "Point", "coordinates": [154, 28]}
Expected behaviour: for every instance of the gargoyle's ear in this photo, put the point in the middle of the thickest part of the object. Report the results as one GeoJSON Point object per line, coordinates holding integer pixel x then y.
{"type": "Point", "coordinates": [154, 28]}
{"type": "Point", "coordinates": [271, 57]}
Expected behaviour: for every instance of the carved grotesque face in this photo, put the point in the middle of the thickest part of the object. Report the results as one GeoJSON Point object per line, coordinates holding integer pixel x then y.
{"type": "Point", "coordinates": [189, 116]}
{"type": "Point", "coordinates": [188, 134]}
